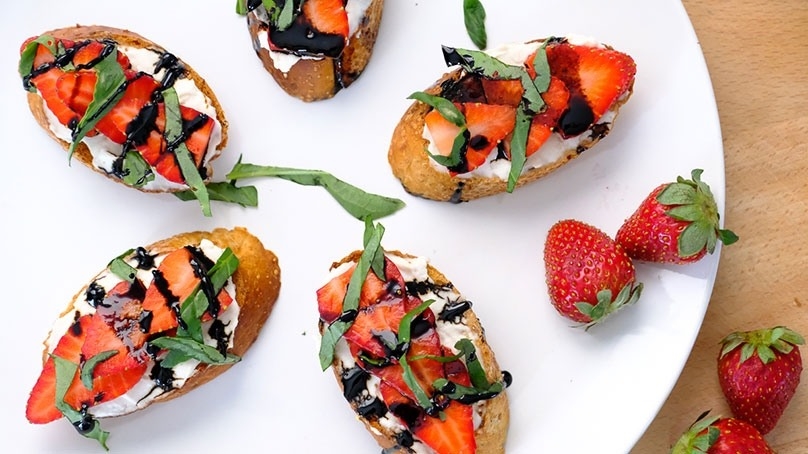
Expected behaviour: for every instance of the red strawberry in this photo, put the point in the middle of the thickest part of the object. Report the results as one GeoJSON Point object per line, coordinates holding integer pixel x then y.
{"type": "Point", "coordinates": [714, 435]}
{"type": "Point", "coordinates": [677, 223]}
{"type": "Point", "coordinates": [159, 313]}
{"type": "Point", "coordinates": [500, 91]}
{"type": "Point", "coordinates": [327, 16]}
{"type": "Point", "coordinates": [453, 434]}
{"type": "Point", "coordinates": [77, 346]}
{"type": "Point", "coordinates": [759, 372]}
{"type": "Point", "coordinates": [330, 296]}
{"type": "Point", "coordinates": [75, 88]}
{"type": "Point", "coordinates": [88, 52]}
{"type": "Point", "coordinates": [596, 75]}
{"type": "Point", "coordinates": [45, 84]}
{"type": "Point", "coordinates": [543, 124]}
{"type": "Point", "coordinates": [138, 93]}
{"type": "Point", "coordinates": [589, 276]}
{"type": "Point", "coordinates": [487, 124]}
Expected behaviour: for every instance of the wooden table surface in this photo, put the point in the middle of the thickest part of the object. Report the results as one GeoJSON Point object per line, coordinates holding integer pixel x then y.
{"type": "Point", "coordinates": [757, 55]}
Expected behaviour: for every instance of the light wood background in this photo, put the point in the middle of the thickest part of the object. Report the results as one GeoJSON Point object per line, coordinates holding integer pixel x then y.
{"type": "Point", "coordinates": [757, 55]}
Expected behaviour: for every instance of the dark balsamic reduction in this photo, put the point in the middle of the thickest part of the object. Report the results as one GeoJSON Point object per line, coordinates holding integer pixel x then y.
{"type": "Point", "coordinates": [173, 303]}
{"type": "Point", "coordinates": [354, 382]}
{"type": "Point", "coordinates": [407, 413]}
{"type": "Point", "coordinates": [507, 378]}
{"type": "Point", "coordinates": [458, 193]}
{"type": "Point", "coordinates": [218, 333]}
{"type": "Point", "coordinates": [419, 327]}
{"type": "Point", "coordinates": [174, 69]}
{"type": "Point", "coordinates": [75, 327]}
{"type": "Point", "coordinates": [453, 310]}
{"type": "Point", "coordinates": [163, 377]}
{"type": "Point", "coordinates": [577, 118]}
{"type": "Point", "coordinates": [144, 260]}
{"type": "Point", "coordinates": [95, 294]}
{"type": "Point", "coordinates": [201, 265]}
{"type": "Point", "coordinates": [303, 39]}
{"type": "Point", "coordinates": [373, 409]}
{"type": "Point", "coordinates": [405, 439]}
{"type": "Point", "coordinates": [252, 4]}
{"type": "Point", "coordinates": [86, 424]}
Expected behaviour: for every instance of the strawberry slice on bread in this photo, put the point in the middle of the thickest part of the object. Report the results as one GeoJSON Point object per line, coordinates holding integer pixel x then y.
{"type": "Point", "coordinates": [411, 359]}
{"type": "Point", "coordinates": [564, 95]}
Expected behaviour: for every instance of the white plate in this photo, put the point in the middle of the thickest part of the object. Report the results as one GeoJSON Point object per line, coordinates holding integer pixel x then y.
{"type": "Point", "coordinates": [573, 391]}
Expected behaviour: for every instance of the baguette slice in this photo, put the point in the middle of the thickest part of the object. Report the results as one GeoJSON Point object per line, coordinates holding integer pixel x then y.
{"type": "Point", "coordinates": [313, 76]}
{"type": "Point", "coordinates": [193, 91]}
{"type": "Point", "coordinates": [109, 313]}
{"type": "Point", "coordinates": [396, 422]}
{"type": "Point", "coordinates": [588, 78]}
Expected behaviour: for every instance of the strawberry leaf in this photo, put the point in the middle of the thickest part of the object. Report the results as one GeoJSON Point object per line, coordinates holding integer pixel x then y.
{"type": "Point", "coordinates": [677, 194]}
{"type": "Point", "coordinates": [694, 238]}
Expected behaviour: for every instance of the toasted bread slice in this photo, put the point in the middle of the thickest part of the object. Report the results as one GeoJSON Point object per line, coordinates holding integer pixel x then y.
{"type": "Point", "coordinates": [452, 314]}
{"type": "Point", "coordinates": [411, 142]}
{"type": "Point", "coordinates": [318, 77]}
{"type": "Point", "coordinates": [99, 161]}
{"type": "Point", "coordinates": [112, 313]}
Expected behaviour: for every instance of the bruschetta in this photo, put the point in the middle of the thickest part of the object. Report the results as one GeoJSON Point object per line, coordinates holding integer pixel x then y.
{"type": "Point", "coordinates": [506, 117]}
{"type": "Point", "coordinates": [155, 323]}
{"type": "Point", "coordinates": [411, 356]}
{"type": "Point", "coordinates": [313, 48]}
{"type": "Point", "coordinates": [124, 106]}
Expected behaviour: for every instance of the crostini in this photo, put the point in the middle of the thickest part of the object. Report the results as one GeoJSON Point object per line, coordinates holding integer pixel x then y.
{"type": "Point", "coordinates": [411, 356]}
{"type": "Point", "coordinates": [313, 48]}
{"type": "Point", "coordinates": [157, 322]}
{"type": "Point", "coordinates": [124, 106]}
{"type": "Point", "coordinates": [506, 117]}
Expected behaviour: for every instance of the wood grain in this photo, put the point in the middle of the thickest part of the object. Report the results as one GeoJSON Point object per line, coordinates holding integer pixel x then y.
{"type": "Point", "coordinates": [757, 55]}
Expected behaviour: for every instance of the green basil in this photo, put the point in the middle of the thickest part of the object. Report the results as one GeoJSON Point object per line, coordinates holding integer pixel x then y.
{"type": "Point", "coordinates": [542, 68]}
{"type": "Point", "coordinates": [109, 89]}
{"type": "Point", "coordinates": [358, 203]}
{"type": "Point", "coordinates": [136, 171]}
{"type": "Point", "coordinates": [474, 19]}
{"type": "Point", "coordinates": [29, 54]}
{"type": "Point", "coordinates": [190, 349]}
{"type": "Point", "coordinates": [377, 261]}
{"type": "Point", "coordinates": [89, 366]}
{"type": "Point", "coordinates": [190, 172]}
{"type": "Point", "coordinates": [225, 191]}
{"type": "Point", "coordinates": [446, 108]}
{"type": "Point", "coordinates": [519, 139]}
{"type": "Point", "coordinates": [65, 371]}
{"type": "Point", "coordinates": [241, 7]}
{"type": "Point", "coordinates": [336, 329]}
{"type": "Point", "coordinates": [120, 268]}
{"type": "Point", "coordinates": [404, 327]}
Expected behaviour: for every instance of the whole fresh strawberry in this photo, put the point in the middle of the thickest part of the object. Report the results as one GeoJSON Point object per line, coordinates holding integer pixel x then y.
{"type": "Point", "coordinates": [588, 275]}
{"type": "Point", "coordinates": [715, 435]}
{"type": "Point", "coordinates": [759, 372]}
{"type": "Point", "coordinates": [676, 223]}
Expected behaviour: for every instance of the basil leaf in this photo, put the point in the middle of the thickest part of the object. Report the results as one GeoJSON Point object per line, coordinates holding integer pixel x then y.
{"type": "Point", "coordinates": [65, 371]}
{"type": "Point", "coordinates": [241, 7]}
{"type": "Point", "coordinates": [519, 139]}
{"type": "Point", "coordinates": [446, 108]}
{"type": "Point", "coordinates": [173, 131]}
{"type": "Point", "coordinates": [482, 64]}
{"type": "Point", "coordinates": [109, 89]}
{"type": "Point", "coordinates": [475, 368]}
{"type": "Point", "coordinates": [356, 202]}
{"type": "Point", "coordinates": [458, 146]}
{"type": "Point", "coordinates": [194, 307]}
{"type": "Point", "coordinates": [123, 270]}
{"type": "Point", "coordinates": [136, 171]}
{"type": "Point", "coordinates": [194, 350]}
{"type": "Point", "coordinates": [28, 55]}
{"type": "Point", "coordinates": [377, 262]}
{"type": "Point", "coordinates": [246, 196]}
{"type": "Point", "coordinates": [89, 366]}
{"type": "Point", "coordinates": [404, 328]}
{"type": "Point", "coordinates": [286, 16]}
{"type": "Point", "coordinates": [336, 329]}
{"type": "Point", "coordinates": [542, 68]}
{"type": "Point", "coordinates": [474, 19]}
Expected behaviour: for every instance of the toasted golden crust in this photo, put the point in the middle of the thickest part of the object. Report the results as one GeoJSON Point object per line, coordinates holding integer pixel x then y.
{"type": "Point", "coordinates": [318, 79]}
{"type": "Point", "coordinates": [126, 38]}
{"type": "Point", "coordinates": [411, 164]}
{"type": "Point", "coordinates": [492, 431]}
{"type": "Point", "coordinates": [257, 281]}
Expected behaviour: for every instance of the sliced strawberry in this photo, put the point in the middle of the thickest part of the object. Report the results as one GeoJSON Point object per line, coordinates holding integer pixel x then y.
{"type": "Point", "coordinates": [45, 83]}
{"type": "Point", "coordinates": [174, 281]}
{"type": "Point", "coordinates": [139, 90]}
{"type": "Point", "coordinates": [542, 125]}
{"type": "Point", "coordinates": [327, 16]}
{"type": "Point", "coordinates": [102, 337]}
{"type": "Point", "coordinates": [452, 435]}
{"type": "Point", "coordinates": [331, 295]}
{"type": "Point", "coordinates": [41, 406]}
{"type": "Point", "coordinates": [425, 370]}
{"type": "Point", "coordinates": [75, 88]}
{"type": "Point", "coordinates": [505, 92]}
{"type": "Point", "coordinates": [89, 53]}
{"type": "Point", "coordinates": [201, 127]}
{"type": "Point", "coordinates": [487, 124]}
{"type": "Point", "coordinates": [381, 319]}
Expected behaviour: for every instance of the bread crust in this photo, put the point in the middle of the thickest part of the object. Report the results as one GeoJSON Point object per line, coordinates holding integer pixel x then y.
{"type": "Point", "coordinates": [127, 38]}
{"type": "Point", "coordinates": [318, 79]}
{"type": "Point", "coordinates": [257, 281]}
{"type": "Point", "coordinates": [492, 432]}
{"type": "Point", "coordinates": [411, 164]}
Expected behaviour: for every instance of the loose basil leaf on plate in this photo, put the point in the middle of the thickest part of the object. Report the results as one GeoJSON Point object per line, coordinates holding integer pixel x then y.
{"type": "Point", "coordinates": [474, 19]}
{"type": "Point", "coordinates": [355, 201]}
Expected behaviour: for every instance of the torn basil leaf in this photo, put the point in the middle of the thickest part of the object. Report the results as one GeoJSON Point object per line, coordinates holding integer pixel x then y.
{"type": "Point", "coordinates": [474, 20]}
{"type": "Point", "coordinates": [192, 349]}
{"type": "Point", "coordinates": [89, 366]}
{"type": "Point", "coordinates": [226, 191]}
{"type": "Point", "coordinates": [65, 371]}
